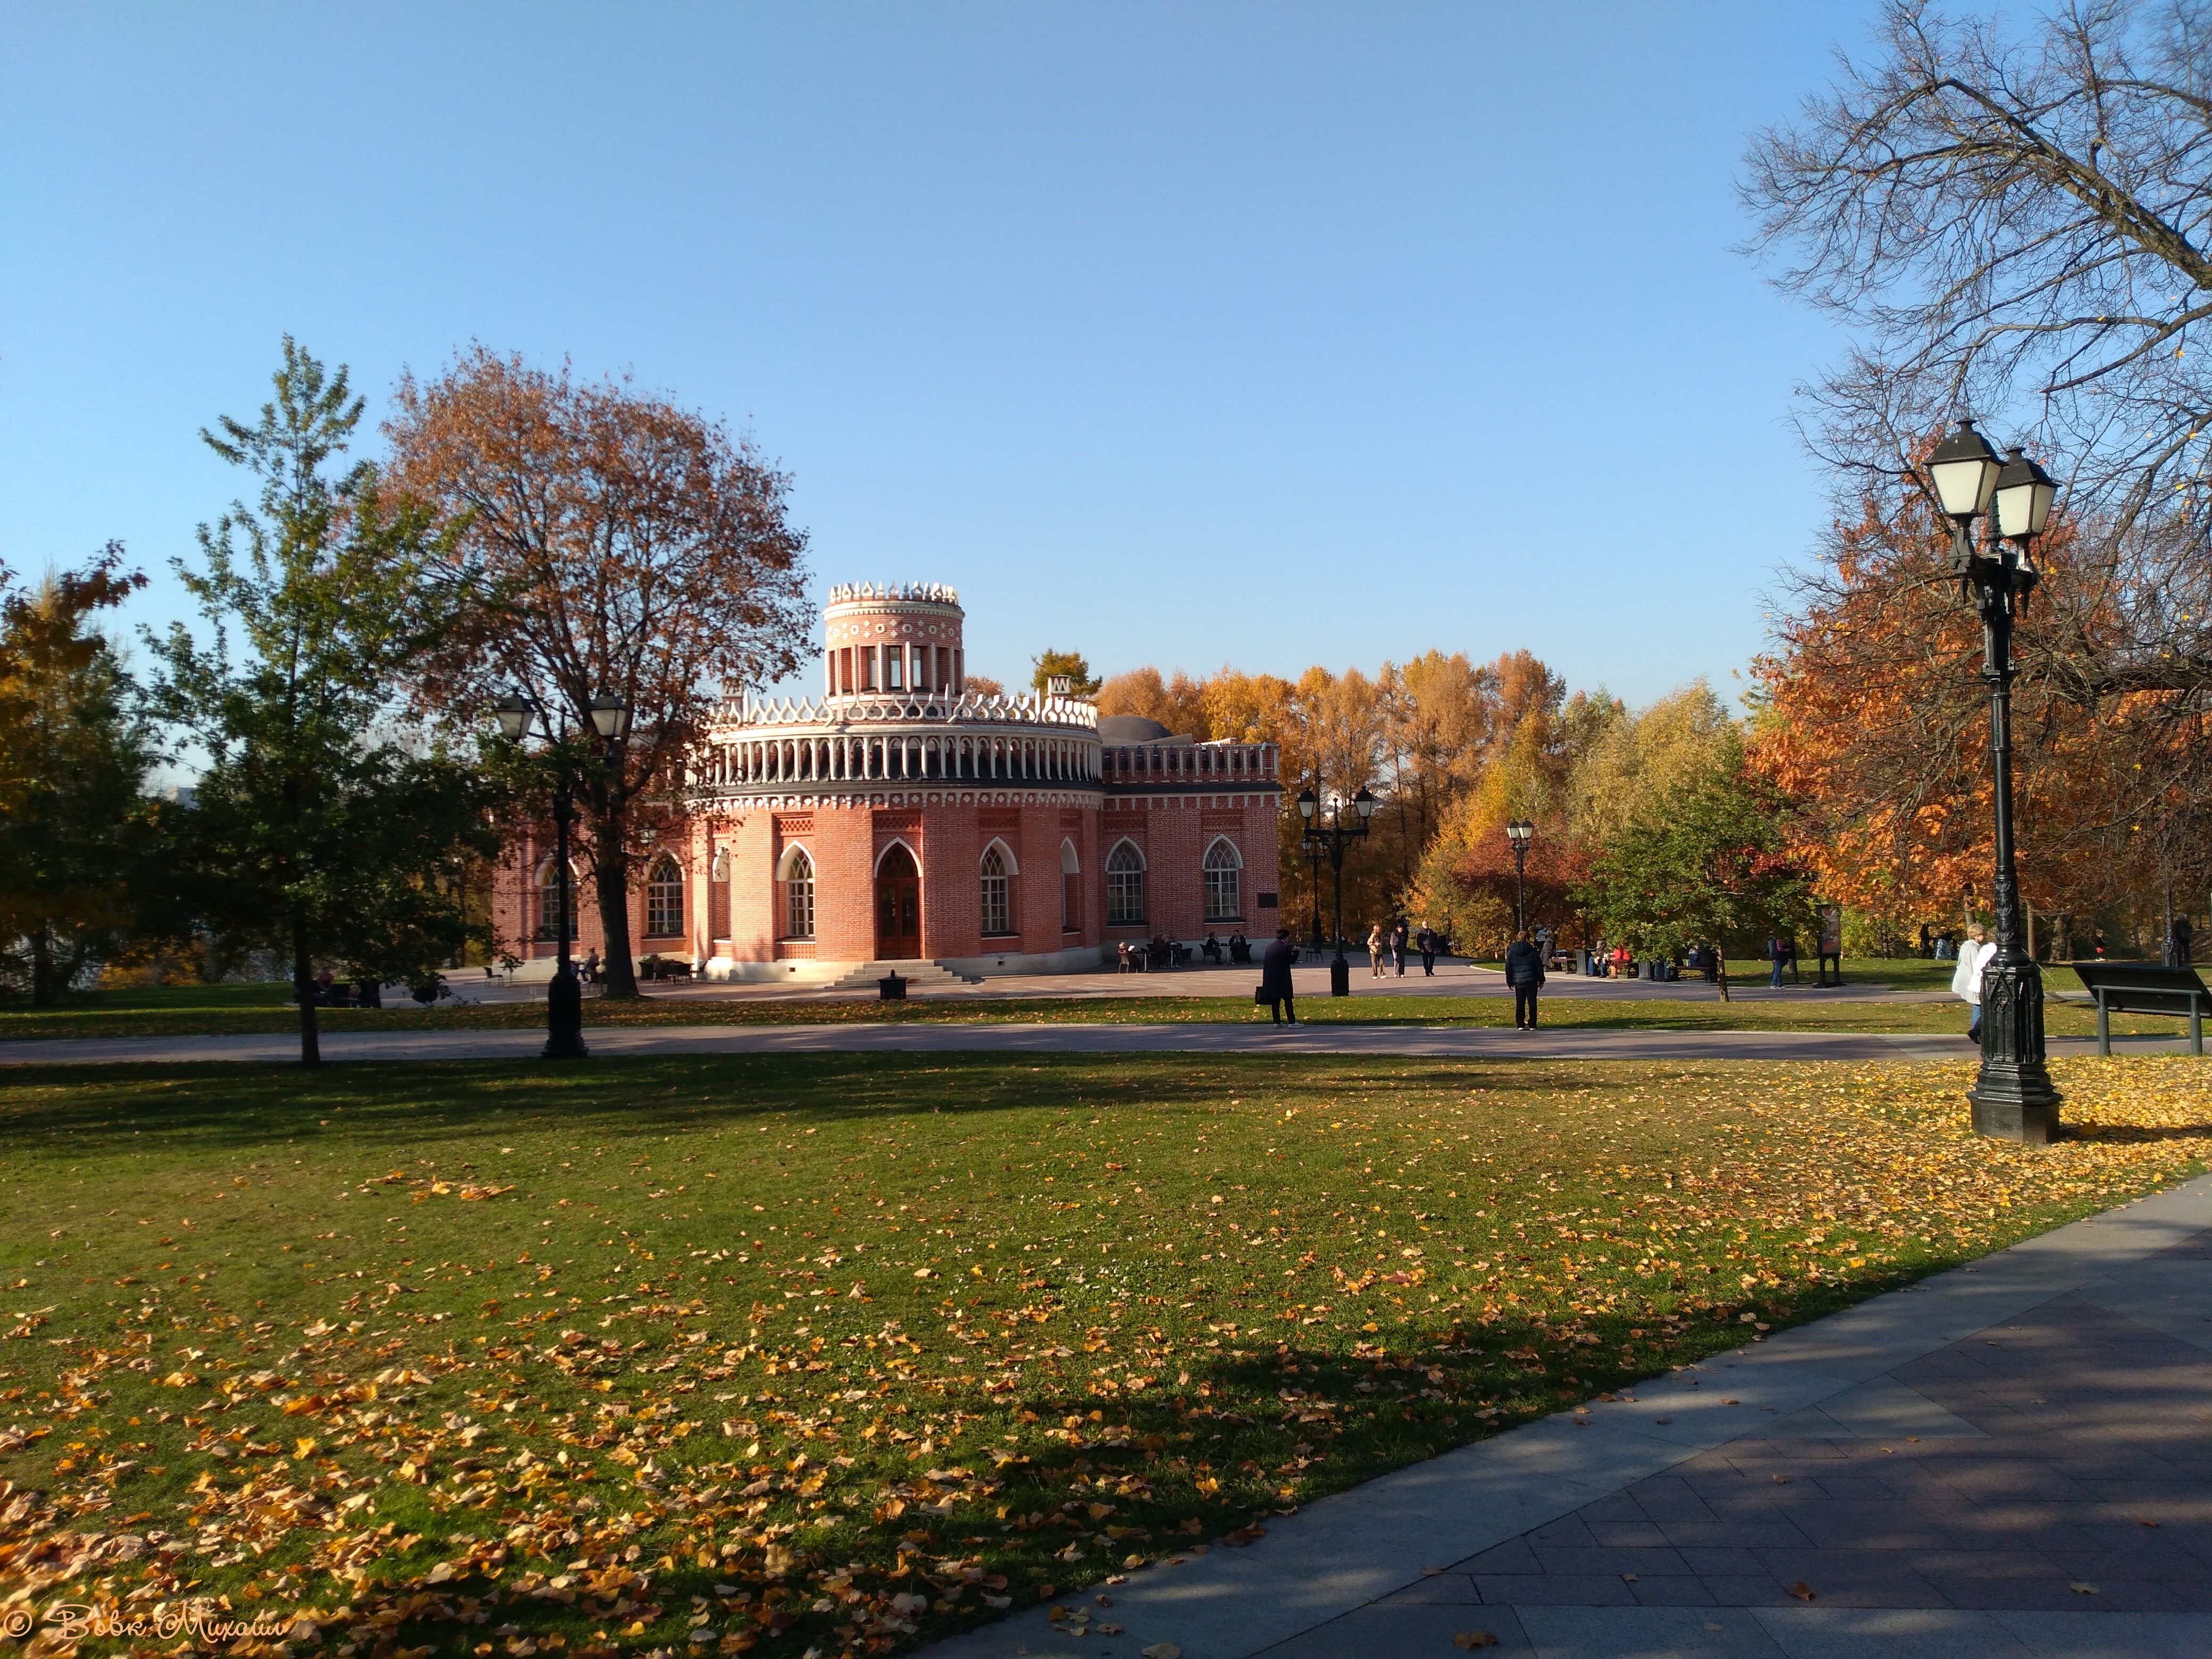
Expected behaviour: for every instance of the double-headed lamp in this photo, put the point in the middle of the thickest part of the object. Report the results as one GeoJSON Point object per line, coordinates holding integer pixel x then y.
{"type": "Point", "coordinates": [1965, 469]}
{"type": "Point", "coordinates": [1520, 832]}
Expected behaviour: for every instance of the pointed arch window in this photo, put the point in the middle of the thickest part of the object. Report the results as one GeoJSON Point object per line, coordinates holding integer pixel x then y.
{"type": "Point", "coordinates": [1224, 882]}
{"type": "Point", "coordinates": [1125, 886]}
{"type": "Point", "coordinates": [1071, 888]}
{"type": "Point", "coordinates": [664, 899]}
{"type": "Point", "coordinates": [996, 872]}
{"type": "Point", "coordinates": [797, 876]}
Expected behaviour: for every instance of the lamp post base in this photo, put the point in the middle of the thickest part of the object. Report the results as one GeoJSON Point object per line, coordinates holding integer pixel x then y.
{"type": "Point", "coordinates": [564, 1019]}
{"type": "Point", "coordinates": [1340, 978]}
{"type": "Point", "coordinates": [2015, 1102]}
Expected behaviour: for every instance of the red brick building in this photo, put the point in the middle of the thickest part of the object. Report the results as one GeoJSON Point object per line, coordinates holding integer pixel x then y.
{"type": "Point", "coordinates": [900, 818]}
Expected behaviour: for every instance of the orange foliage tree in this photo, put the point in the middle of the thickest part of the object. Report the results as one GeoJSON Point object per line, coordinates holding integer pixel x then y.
{"type": "Point", "coordinates": [616, 544]}
{"type": "Point", "coordinates": [1871, 715]}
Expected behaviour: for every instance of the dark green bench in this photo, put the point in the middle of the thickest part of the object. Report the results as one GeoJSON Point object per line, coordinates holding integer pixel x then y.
{"type": "Point", "coordinates": [2145, 988]}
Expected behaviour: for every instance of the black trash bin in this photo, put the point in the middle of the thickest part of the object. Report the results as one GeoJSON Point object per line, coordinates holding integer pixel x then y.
{"type": "Point", "coordinates": [891, 988]}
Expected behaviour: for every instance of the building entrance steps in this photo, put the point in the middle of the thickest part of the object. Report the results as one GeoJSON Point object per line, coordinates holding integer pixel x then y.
{"type": "Point", "coordinates": [864, 977]}
{"type": "Point", "coordinates": [2013, 1458]}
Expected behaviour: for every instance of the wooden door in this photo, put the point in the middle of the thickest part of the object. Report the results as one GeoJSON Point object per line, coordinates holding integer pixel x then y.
{"type": "Point", "coordinates": [898, 907]}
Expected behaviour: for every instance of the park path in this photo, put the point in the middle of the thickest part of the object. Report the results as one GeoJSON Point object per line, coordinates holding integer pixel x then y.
{"type": "Point", "coordinates": [2010, 1461]}
{"type": "Point", "coordinates": [1381, 1042]}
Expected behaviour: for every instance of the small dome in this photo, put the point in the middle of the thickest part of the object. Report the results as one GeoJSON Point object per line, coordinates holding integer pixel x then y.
{"type": "Point", "coordinates": [1130, 728]}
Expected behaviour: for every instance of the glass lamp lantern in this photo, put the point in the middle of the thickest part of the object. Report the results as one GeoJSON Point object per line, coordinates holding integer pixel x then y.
{"type": "Point", "coordinates": [610, 717]}
{"type": "Point", "coordinates": [512, 712]}
{"type": "Point", "coordinates": [2024, 493]}
{"type": "Point", "coordinates": [1963, 469]}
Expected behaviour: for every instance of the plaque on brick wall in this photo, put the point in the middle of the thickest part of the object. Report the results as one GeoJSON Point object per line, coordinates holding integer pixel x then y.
{"type": "Point", "coordinates": [1266, 901]}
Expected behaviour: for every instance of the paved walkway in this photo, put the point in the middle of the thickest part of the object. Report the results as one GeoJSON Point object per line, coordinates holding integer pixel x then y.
{"type": "Point", "coordinates": [2012, 1459]}
{"type": "Point", "coordinates": [1452, 979]}
{"type": "Point", "coordinates": [1382, 1042]}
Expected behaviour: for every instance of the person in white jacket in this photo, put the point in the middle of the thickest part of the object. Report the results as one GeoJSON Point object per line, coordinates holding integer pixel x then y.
{"type": "Point", "coordinates": [1974, 954]}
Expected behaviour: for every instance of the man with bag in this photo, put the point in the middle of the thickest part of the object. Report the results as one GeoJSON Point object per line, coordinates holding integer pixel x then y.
{"type": "Point", "coordinates": [1275, 989]}
{"type": "Point", "coordinates": [1524, 972]}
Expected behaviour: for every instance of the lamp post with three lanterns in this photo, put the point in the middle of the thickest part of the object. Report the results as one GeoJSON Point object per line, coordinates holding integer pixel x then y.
{"type": "Point", "coordinates": [610, 719]}
{"type": "Point", "coordinates": [2013, 1096]}
{"type": "Point", "coordinates": [1331, 838]}
{"type": "Point", "coordinates": [1520, 832]}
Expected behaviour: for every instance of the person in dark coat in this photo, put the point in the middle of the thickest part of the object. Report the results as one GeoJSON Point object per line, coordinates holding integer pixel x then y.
{"type": "Point", "coordinates": [1275, 988]}
{"type": "Point", "coordinates": [1524, 972]}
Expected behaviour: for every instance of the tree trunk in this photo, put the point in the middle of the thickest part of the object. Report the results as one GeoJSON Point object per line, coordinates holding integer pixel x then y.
{"type": "Point", "coordinates": [44, 992]}
{"type": "Point", "coordinates": [303, 987]}
{"type": "Point", "coordinates": [1719, 960]}
{"type": "Point", "coordinates": [610, 883]}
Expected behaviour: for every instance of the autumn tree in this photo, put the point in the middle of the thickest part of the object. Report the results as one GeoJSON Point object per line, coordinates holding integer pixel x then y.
{"type": "Point", "coordinates": [1466, 878]}
{"type": "Point", "coordinates": [1703, 864]}
{"type": "Point", "coordinates": [612, 542]}
{"type": "Point", "coordinates": [1178, 704]}
{"type": "Point", "coordinates": [318, 832]}
{"type": "Point", "coordinates": [2012, 216]}
{"type": "Point", "coordinates": [74, 749]}
{"type": "Point", "coordinates": [1872, 718]}
{"type": "Point", "coordinates": [1438, 711]}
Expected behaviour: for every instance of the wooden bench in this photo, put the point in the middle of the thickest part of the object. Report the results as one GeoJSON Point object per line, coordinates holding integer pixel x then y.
{"type": "Point", "coordinates": [2145, 988]}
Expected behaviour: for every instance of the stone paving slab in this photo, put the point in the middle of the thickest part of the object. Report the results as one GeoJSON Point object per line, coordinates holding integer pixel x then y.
{"type": "Point", "coordinates": [2013, 1458]}
{"type": "Point", "coordinates": [1382, 1042]}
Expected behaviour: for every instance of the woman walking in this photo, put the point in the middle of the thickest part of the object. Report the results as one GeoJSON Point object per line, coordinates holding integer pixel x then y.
{"type": "Point", "coordinates": [1966, 978]}
{"type": "Point", "coordinates": [1375, 950]}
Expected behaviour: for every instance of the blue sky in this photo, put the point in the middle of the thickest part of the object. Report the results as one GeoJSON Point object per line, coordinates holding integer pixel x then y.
{"type": "Point", "coordinates": [1187, 334]}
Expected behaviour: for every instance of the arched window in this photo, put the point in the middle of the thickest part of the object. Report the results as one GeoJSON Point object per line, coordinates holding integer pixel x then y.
{"type": "Point", "coordinates": [998, 890]}
{"type": "Point", "coordinates": [796, 875]}
{"type": "Point", "coordinates": [664, 899]}
{"type": "Point", "coordinates": [547, 892]}
{"type": "Point", "coordinates": [1224, 882]}
{"type": "Point", "coordinates": [1071, 890]}
{"type": "Point", "coordinates": [1125, 886]}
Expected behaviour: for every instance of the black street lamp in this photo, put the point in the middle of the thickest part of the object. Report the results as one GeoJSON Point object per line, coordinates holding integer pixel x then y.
{"type": "Point", "coordinates": [1332, 838]}
{"type": "Point", "coordinates": [609, 717]}
{"type": "Point", "coordinates": [1307, 803]}
{"type": "Point", "coordinates": [2013, 1097]}
{"type": "Point", "coordinates": [1520, 832]}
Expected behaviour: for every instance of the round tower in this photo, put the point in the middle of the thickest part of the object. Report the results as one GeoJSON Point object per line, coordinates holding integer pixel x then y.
{"type": "Point", "coordinates": [899, 639]}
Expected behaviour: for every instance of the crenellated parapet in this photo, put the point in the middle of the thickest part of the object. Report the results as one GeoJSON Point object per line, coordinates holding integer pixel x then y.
{"type": "Point", "coordinates": [874, 709]}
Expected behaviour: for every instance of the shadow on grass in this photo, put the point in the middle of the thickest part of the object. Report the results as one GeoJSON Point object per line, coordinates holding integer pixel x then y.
{"type": "Point", "coordinates": [239, 1105]}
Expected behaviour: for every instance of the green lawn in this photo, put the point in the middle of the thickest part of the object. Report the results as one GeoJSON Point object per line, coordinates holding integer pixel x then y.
{"type": "Point", "coordinates": [182, 1011]}
{"type": "Point", "coordinates": [841, 1352]}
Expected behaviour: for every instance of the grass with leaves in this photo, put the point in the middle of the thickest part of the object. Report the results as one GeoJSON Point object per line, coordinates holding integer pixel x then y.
{"type": "Point", "coordinates": [841, 1352]}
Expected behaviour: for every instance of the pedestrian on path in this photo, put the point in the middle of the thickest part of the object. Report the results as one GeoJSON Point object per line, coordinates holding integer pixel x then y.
{"type": "Point", "coordinates": [1426, 939]}
{"type": "Point", "coordinates": [1275, 988]}
{"type": "Point", "coordinates": [1398, 947]}
{"type": "Point", "coordinates": [1966, 979]}
{"type": "Point", "coordinates": [1375, 950]}
{"type": "Point", "coordinates": [1524, 972]}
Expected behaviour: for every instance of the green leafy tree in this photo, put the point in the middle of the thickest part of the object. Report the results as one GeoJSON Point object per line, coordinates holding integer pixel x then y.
{"type": "Point", "coordinates": [74, 751]}
{"type": "Point", "coordinates": [1050, 662]}
{"type": "Point", "coordinates": [319, 832]}
{"type": "Point", "coordinates": [1706, 864]}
